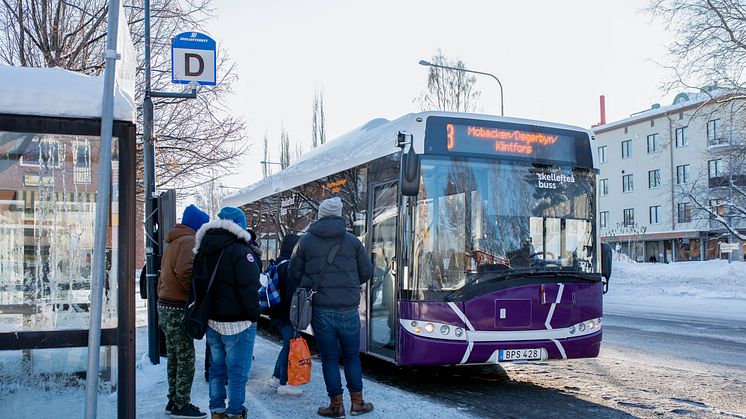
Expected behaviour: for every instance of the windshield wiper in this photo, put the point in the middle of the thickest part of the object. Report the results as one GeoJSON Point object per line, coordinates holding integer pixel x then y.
{"type": "Point", "coordinates": [492, 277]}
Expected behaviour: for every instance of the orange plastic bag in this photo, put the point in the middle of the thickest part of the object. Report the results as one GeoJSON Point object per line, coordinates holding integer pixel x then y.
{"type": "Point", "coordinates": [299, 362]}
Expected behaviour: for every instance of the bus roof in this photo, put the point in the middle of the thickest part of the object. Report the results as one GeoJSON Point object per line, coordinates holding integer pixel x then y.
{"type": "Point", "coordinates": [368, 142]}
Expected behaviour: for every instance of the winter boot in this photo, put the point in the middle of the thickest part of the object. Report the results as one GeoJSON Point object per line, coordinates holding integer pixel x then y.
{"type": "Point", "coordinates": [359, 406]}
{"type": "Point", "coordinates": [336, 408]}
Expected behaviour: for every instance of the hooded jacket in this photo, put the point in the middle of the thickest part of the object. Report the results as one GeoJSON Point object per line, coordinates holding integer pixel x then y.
{"type": "Point", "coordinates": [234, 292]}
{"type": "Point", "coordinates": [340, 285]}
{"type": "Point", "coordinates": [176, 267]}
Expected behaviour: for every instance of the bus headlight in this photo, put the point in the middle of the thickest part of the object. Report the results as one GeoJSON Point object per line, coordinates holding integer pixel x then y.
{"type": "Point", "coordinates": [458, 332]}
{"type": "Point", "coordinates": [445, 329]}
{"type": "Point", "coordinates": [414, 323]}
{"type": "Point", "coordinates": [429, 328]}
{"type": "Point", "coordinates": [585, 327]}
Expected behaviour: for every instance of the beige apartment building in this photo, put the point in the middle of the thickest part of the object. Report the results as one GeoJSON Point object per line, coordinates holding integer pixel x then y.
{"type": "Point", "coordinates": [661, 170]}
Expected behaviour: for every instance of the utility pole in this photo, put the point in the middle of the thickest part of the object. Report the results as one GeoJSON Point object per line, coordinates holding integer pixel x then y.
{"type": "Point", "coordinates": [151, 229]}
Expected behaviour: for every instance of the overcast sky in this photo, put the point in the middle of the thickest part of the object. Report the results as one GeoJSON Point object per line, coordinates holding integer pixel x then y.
{"type": "Point", "coordinates": [554, 59]}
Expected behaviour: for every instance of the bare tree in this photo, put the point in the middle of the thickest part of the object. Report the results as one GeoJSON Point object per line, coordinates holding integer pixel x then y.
{"type": "Point", "coordinates": [710, 42]}
{"type": "Point", "coordinates": [319, 121]}
{"type": "Point", "coordinates": [193, 137]}
{"type": "Point", "coordinates": [209, 196]}
{"type": "Point", "coordinates": [448, 90]}
{"type": "Point", "coordinates": [284, 148]}
{"type": "Point", "coordinates": [298, 152]}
{"type": "Point", "coordinates": [708, 55]}
{"type": "Point", "coordinates": [265, 164]}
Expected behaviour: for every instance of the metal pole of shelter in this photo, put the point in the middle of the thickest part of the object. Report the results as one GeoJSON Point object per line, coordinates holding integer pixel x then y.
{"type": "Point", "coordinates": [102, 209]}
{"type": "Point", "coordinates": [502, 106]}
{"type": "Point", "coordinates": [730, 177]}
{"type": "Point", "coordinates": [151, 271]}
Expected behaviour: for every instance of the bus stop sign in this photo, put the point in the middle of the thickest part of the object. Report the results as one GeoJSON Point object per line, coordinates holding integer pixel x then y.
{"type": "Point", "coordinates": [193, 59]}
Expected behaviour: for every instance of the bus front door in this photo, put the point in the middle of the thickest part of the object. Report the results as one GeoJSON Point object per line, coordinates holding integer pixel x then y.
{"type": "Point", "coordinates": [381, 303]}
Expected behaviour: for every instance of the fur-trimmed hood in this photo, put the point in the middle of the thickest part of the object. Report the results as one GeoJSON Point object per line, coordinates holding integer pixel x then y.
{"type": "Point", "coordinates": [217, 237]}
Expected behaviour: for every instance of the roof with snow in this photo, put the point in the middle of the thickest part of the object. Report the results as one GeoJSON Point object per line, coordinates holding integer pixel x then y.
{"type": "Point", "coordinates": [373, 140]}
{"type": "Point", "coordinates": [681, 101]}
{"type": "Point", "coordinates": [59, 93]}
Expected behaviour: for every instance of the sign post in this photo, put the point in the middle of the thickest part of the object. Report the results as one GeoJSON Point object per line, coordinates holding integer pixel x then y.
{"type": "Point", "coordinates": [193, 61]}
{"type": "Point", "coordinates": [729, 248]}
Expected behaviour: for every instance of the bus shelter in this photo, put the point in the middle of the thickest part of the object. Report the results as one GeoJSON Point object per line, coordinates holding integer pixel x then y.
{"type": "Point", "coordinates": [49, 146]}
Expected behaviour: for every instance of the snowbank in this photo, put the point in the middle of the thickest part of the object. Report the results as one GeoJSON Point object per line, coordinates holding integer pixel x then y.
{"type": "Point", "coordinates": [711, 289]}
{"type": "Point", "coordinates": [58, 92]}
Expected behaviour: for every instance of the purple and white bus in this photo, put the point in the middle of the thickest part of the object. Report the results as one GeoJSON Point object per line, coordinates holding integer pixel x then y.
{"type": "Point", "coordinates": [482, 230]}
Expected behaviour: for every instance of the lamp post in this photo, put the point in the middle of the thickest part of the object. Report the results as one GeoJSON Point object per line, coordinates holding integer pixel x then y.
{"type": "Point", "coordinates": [465, 70]}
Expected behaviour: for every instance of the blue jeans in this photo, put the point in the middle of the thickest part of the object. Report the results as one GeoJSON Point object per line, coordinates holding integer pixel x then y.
{"type": "Point", "coordinates": [230, 357]}
{"type": "Point", "coordinates": [281, 365]}
{"type": "Point", "coordinates": [335, 330]}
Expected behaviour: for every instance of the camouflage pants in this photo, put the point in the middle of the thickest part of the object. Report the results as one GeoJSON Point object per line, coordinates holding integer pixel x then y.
{"type": "Point", "coordinates": [180, 349]}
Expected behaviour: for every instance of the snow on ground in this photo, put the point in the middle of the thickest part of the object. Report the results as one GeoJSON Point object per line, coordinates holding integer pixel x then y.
{"type": "Point", "coordinates": [713, 289]}
{"type": "Point", "coordinates": [263, 402]}
{"type": "Point", "coordinates": [35, 399]}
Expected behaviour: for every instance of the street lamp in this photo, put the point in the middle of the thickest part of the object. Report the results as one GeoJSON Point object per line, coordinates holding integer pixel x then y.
{"type": "Point", "coordinates": [502, 108]}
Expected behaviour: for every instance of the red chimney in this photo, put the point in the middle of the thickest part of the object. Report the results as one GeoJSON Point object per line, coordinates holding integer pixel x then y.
{"type": "Point", "coordinates": [603, 110]}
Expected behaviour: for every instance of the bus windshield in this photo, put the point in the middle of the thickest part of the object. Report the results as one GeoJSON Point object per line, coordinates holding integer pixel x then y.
{"type": "Point", "coordinates": [477, 215]}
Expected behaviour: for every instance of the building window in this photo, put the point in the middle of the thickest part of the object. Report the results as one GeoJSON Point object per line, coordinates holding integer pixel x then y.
{"type": "Point", "coordinates": [602, 154]}
{"type": "Point", "coordinates": [654, 178]}
{"type": "Point", "coordinates": [681, 137]}
{"type": "Point", "coordinates": [715, 168]}
{"type": "Point", "coordinates": [652, 143]}
{"type": "Point", "coordinates": [626, 149]}
{"type": "Point", "coordinates": [713, 132]}
{"type": "Point", "coordinates": [682, 174]}
{"type": "Point", "coordinates": [43, 152]}
{"type": "Point", "coordinates": [654, 211]}
{"type": "Point", "coordinates": [604, 186]}
{"type": "Point", "coordinates": [685, 212]}
{"type": "Point", "coordinates": [627, 184]}
{"type": "Point", "coordinates": [83, 165]}
{"type": "Point", "coordinates": [629, 216]}
{"type": "Point", "coordinates": [717, 207]}
{"type": "Point", "coordinates": [604, 219]}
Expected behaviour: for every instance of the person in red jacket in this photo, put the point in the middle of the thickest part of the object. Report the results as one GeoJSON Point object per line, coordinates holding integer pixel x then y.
{"type": "Point", "coordinates": [173, 289]}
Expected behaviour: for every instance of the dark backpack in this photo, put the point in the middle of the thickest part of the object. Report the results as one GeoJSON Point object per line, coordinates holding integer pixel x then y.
{"type": "Point", "coordinates": [197, 311]}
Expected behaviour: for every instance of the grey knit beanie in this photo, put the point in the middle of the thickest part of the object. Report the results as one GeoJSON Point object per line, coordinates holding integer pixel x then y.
{"type": "Point", "coordinates": [331, 206]}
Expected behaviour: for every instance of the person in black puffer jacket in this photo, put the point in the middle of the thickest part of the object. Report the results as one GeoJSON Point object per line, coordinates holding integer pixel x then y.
{"type": "Point", "coordinates": [234, 307]}
{"type": "Point", "coordinates": [335, 321]}
{"type": "Point", "coordinates": [280, 315]}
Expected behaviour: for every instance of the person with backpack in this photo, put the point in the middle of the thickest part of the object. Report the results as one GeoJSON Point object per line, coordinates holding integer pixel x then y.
{"type": "Point", "coordinates": [223, 254]}
{"type": "Point", "coordinates": [280, 315]}
{"type": "Point", "coordinates": [173, 289]}
{"type": "Point", "coordinates": [333, 262]}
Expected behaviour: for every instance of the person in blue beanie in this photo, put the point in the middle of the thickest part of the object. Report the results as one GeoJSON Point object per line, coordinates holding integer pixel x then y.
{"type": "Point", "coordinates": [173, 289]}
{"type": "Point", "coordinates": [222, 246]}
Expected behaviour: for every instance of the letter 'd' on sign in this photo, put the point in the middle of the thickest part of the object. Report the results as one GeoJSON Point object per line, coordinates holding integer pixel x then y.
{"type": "Point", "coordinates": [193, 59]}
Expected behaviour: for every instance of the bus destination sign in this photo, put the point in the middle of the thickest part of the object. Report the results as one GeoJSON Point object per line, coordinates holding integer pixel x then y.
{"type": "Point", "coordinates": [449, 136]}
{"type": "Point", "coordinates": [501, 140]}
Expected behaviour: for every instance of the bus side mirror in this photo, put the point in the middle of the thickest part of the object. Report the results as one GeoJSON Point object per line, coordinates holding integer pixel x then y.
{"type": "Point", "coordinates": [606, 258]}
{"type": "Point", "coordinates": [409, 174]}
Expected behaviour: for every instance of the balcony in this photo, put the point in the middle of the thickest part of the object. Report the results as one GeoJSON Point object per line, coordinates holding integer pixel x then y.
{"type": "Point", "coordinates": [716, 142]}
{"type": "Point", "coordinates": [722, 181]}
